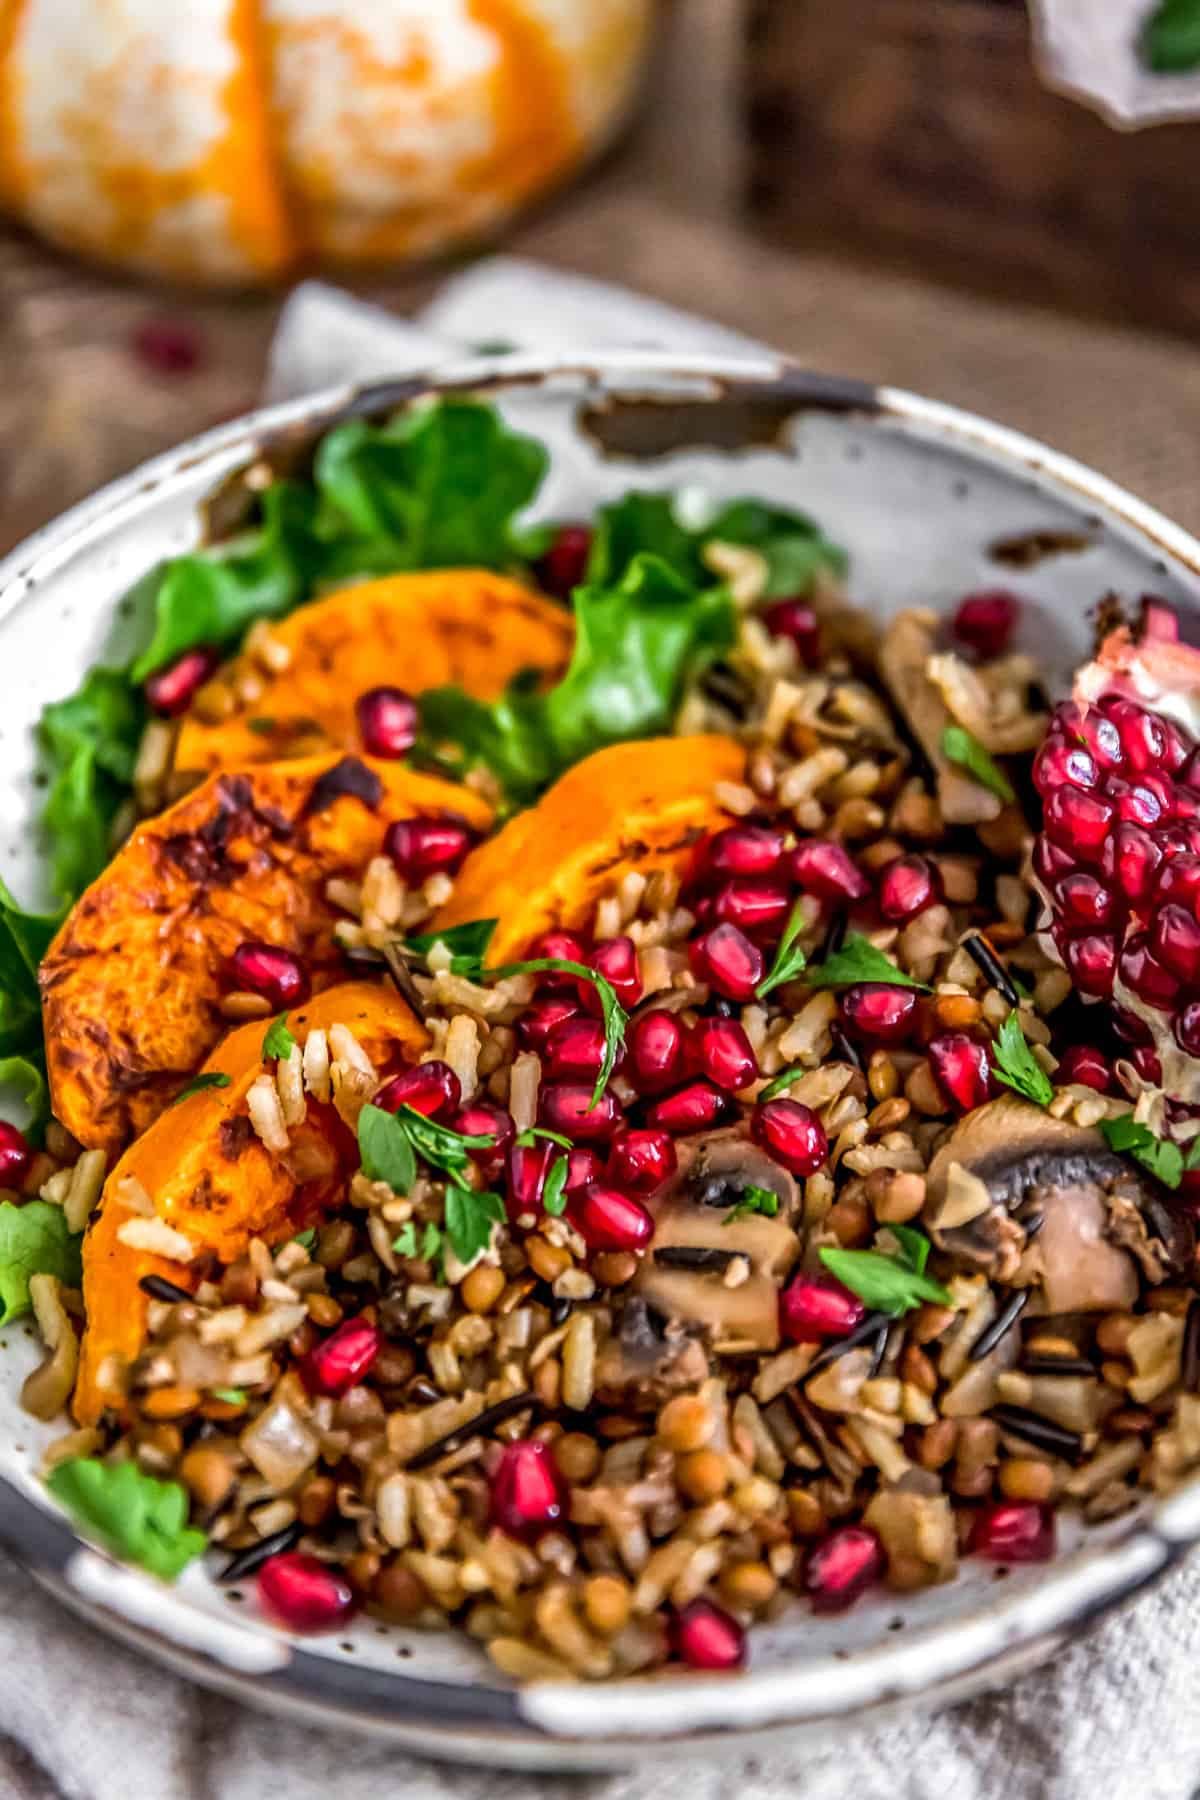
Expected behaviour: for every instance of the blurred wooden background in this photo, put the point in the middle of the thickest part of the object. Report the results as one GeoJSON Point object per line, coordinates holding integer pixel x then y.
{"type": "Point", "coordinates": [79, 403]}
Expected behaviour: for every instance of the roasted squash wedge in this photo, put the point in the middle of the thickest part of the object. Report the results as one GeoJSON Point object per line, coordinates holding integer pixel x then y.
{"type": "Point", "coordinates": [640, 806]}
{"type": "Point", "coordinates": [209, 1177]}
{"type": "Point", "coordinates": [131, 983]}
{"type": "Point", "coordinates": [468, 627]}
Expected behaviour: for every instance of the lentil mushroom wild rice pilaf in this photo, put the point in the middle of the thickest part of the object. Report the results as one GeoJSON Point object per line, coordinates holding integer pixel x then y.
{"type": "Point", "coordinates": [684, 1105]}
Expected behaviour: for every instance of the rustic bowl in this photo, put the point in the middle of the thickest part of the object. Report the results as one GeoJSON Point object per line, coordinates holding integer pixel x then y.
{"type": "Point", "coordinates": [930, 502]}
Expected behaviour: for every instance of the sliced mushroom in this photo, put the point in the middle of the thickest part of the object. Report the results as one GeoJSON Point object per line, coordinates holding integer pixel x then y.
{"type": "Point", "coordinates": [909, 643]}
{"type": "Point", "coordinates": [708, 1270]}
{"type": "Point", "coordinates": [1009, 1164]}
{"type": "Point", "coordinates": [647, 1359]}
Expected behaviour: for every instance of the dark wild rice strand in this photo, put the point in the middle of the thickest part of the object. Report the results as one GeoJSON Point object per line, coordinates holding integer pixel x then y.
{"type": "Point", "coordinates": [986, 960]}
{"type": "Point", "coordinates": [1057, 1440]}
{"type": "Point", "coordinates": [1000, 1326]}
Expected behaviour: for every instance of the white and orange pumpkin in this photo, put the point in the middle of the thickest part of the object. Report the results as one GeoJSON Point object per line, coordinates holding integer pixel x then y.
{"type": "Point", "coordinates": [234, 140]}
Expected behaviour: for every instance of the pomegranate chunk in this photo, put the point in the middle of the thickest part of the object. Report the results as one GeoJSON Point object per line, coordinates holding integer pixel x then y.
{"type": "Point", "coordinates": [816, 1307]}
{"type": "Point", "coordinates": [1091, 963]}
{"type": "Point", "coordinates": [641, 1160]}
{"type": "Point", "coordinates": [654, 1043]}
{"type": "Point", "coordinates": [1085, 1066]}
{"type": "Point", "coordinates": [558, 946]}
{"type": "Point", "coordinates": [1144, 975]}
{"type": "Point", "coordinates": [1015, 1531]}
{"type": "Point", "coordinates": [617, 960]}
{"type": "Point", "coordinates": [528, 1167]}
{"type": "Point", "coordinates": [301, 1593]}
{"type": "Point", "coordinates": [387, 721]}
{"type": "Point", "coordinates": [15, 1155]}
{"type": "Point", "coordinates": [431, 1088]}
{"type": "Point", "coordinates": [481, 1120]}
{"type": "Point", "coordinates": [705, 1637]}
{"type": "Point", "coordinates": [574, 1048]}
{"type": "Point", "coordinates": [1060, 761]}
{"type": "Point", "coordinates": [962, 1069]}
{"type": "Point", "coordinates": [583, 1165]}
{"type": "Point", "coordinates": [744, 850]}
{"type": "Point", "coordinates": [1084, 902]}
{"type": "Point", "coordinates": [540, 1019]}
{"type": "Point", "coordinates": [341, 1360]}
{"type": "Point", "coordinates": [567, 1107]}
{"type": "Point", "coordinates": [907, 886]}
{"type": "Point", "coordinates": [696, 1107]}
{"type": "Point", "coordinates": [1079, 822]}
{"type": "Point", "coordinates": [824, 868]}
{"type": "Point", "coordinates": [754, 905]}
{"type": "Point", "coordinates": [527, 1493]}
{"type": "Point", "coordinates": [1131, 859]}
{"type": "Point", "coordinates": [720, 1049]}
{"type": "Point", "coordinates": [842, 1568]}
{"type": "Point", "coordinates": [793, 620]}
{"type": "Point", "coordinates": [170, 690]}
{"type": "Point", "coordinates": [421, 847]}
{"type": "Point", "coordinates": [792, 1134]}
{"type": "Point", "coordinates": [266, 969]}
{"type": "Point", "coordinates": [728, 961]}
{"type": "Point", "coordinates": [1179, 879]}
{"type": "Point", "coordinates": [873, 1009]}
{"type": "Point", "coordinates": [610, 1220]}
{"type": "Point", "coordinates": [1175, 940]}
{"type": "Point", "coordinates": [563, 567]}
{"type": "Point", "coordinates": [985, 622]}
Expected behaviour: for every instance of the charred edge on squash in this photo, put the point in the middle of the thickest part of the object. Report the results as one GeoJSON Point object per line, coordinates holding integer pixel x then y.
{"type": "Point", "coordinates": [348, 779]}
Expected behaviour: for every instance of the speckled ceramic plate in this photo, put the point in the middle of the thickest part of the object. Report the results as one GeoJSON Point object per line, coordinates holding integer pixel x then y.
{"type": "Point", "coordinates": [930, 502]}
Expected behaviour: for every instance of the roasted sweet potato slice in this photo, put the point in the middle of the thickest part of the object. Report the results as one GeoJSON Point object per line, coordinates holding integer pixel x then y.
{"type": "Point", "coordinates": [468, 627]}
{"type": "Point", "coordinates": [635, 806]}
{"type": "Point", "coordinates": [130, 984]}
{"type": "Point", "coordinates": [210, 1178]}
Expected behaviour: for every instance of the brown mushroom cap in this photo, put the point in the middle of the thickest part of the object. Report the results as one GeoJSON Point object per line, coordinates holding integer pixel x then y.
{"type": "Point", "coordinates": [1010, 1162]}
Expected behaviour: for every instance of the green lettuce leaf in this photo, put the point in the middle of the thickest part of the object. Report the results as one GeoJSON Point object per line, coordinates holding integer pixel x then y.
{"type": "Point", "coordinates": [91, 742]}
{"type": "Point", "coordinates": [1170, 40]}
{"type": "Point", "coordinates": [34, 1240]}
{"type": "Point", "coordinates": [796, 552]}
{"type": "Point", "coordinates": [136, 1516]}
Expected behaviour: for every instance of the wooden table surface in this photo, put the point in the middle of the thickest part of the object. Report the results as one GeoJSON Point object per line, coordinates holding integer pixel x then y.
{"type": "Point", "coordinates": [663, 214]}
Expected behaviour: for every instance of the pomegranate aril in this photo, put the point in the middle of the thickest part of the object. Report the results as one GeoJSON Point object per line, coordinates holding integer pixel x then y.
{"type": "Point", "coordinates": [1144, 975]}
{"type": "Point", "coordinates": [1050, 861]}
{"type": "Point", "coordinates": [873, 1009]}
{"type": "Point", "coordinates": [1143, 739]}
{"type": "Point", "coordinates": [1136, 804]}
{"type": "Point", "coordinates": [276, 974]}
{"type": "Point", "coordinates": [1060, 762]}
{"type": "Point", "coordinates": [1014, 1531]}
{"type": "Point", "coordinates": [654, 1043]}
{"type": "Point", "coordinates": [1084, 902]}
{"type": "Point", "coordinates": [15, 1155]}
{"type": "Point", "coordinates": [641, 1161]}
{"type": "Point", "coordinates": [726, 959]}
{"type": "Point", "coordinates": [527, 1494]}
{"type": "Point", "coordinates": [169, 346]}
{"type": "Point", "coordinates": [753, 905]}
{"type": "Point", "coordinates": [815, 1307]}
{"type": "Point", "coordinates": [563, 567]}
{"type": "Point", "coordinates": [696, 1107]}
{"type": "Point", "coordinates": [824, 868]}
{"type": "Point", "coordinates": [1187, 1028]}
{"type": "Point", "coordinates": [744, 850]}
{"type": "Point", "coordinates": [431, 1088]}
{"type": "Point", "coordinates": [793, 620]}
{"type": "Point", "coordinates": [583, 1166]}
{"type": "Point", "coordinates": [480, 1120]}
{"type": "Point", "coordinates": [574, 1049]}
{"type": "Point", "coordinates": [1175, 941]}
{"type": "Point", "coordinates": [1129, 1027]}
{"type": "Point", "coordinates": [792, 1134]}
{"type": "Point", "coordinates": [849, 1562]}
{"type": "Point", "coordinates": [617, 960]}
{"type": "Point", "coordinates": [1145, 1061]}
{"type": "Point", "coordinates": [341, 1360]}
{"type": "Point", "coordinates": [705, 1637]}
{"type": "Point", "coordinates": [387, 721]}
{"type": "Point", "coordinates": [962, 1069]}
{"type": "Point", "coordinates": [301, 1593]}
{"type": "Point", "coordinates": [1085, 1066]}
{"type": "Point", "coordinates": [1131, 860]}
{"type": "Point", "coordinates": [985, 622]}
{"type": "Point", "coordinates": [720, 1049]}
{"type": "Point", "coordinates": [543, 1016]}
{"type": "Point", "coordinates": [1093, 731]}
{"type": "Point", "coordinates": [1091, 962]}
{"type": "Point", "coordinates": [528, 1167]}
{"type": "Point", "coordinates": [1079, 822]}
{"type": "Point", "coordinates": [556, 946]}
{"type": "Point", "coordinates": [906, 887]}
{"type": "Point", "coordinates": [169, 691]}
{"type": "Point", "coordinates": [422, 847]}
{"type": "Point", "coordinates": [566, 1107]}
{"type": "Point", "coordinates": [610, 1220]}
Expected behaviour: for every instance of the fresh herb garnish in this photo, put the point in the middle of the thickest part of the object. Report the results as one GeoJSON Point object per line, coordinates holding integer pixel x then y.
{"type": "Point", "coordinates": [469, 1220]}
{"type": "Point", "coordinates": [612, 1012]}
{"type": "Point", "coordinates": [637, 644]}
{"type": "Point", "coordinates": [959, 746]}
{"type": "Point", "coordinates": [307, 1238]}
{"type": "Point", "coordinates": [789, 958]}
{"type": "Point", "coordinates": [279, 1043]}
{"type": "Point", "coordinates": [34, 1240]}
{"type": "Point", "coordinates": [231, 1396]}
{"type": "Point", "coordinates": [528, 1139]}
{"type": "Point", "coordinates": [136, 1516]}
{"type": "Point", "coordinates": [467, 944]}
{"type": "Point", "coordinates": [859, 960]}
{"type": "Point", "coordinates": [889, 1284]}
{"type": "Point", "coordinates": [442, 1148]}
{"type": "Point", "coordinates": [754, 1200]}
{"type": "Point", "coordinates": [1170, 38]}
{"type": "Point", "coordinates": [554, 1193]}
{"type": "Point", "coordinates": [1017, 1067]}
{"type": "Point", "coordinates": [784, 1080]}
{"type": "Point", "coordinates": [385, 1149]}
{"type": "Point", "coordinates": [200, 1084]}
{"type": "Point", "coordinates": [1162, 1157]}
{"type": "Point", "coordinates": [405, 1244]}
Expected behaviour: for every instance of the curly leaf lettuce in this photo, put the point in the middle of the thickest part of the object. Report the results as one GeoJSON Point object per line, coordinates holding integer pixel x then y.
{"type": "Point", "coordinates": [34, 1240]}
{"type": "Point", "coordinates": [135, 1516]}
